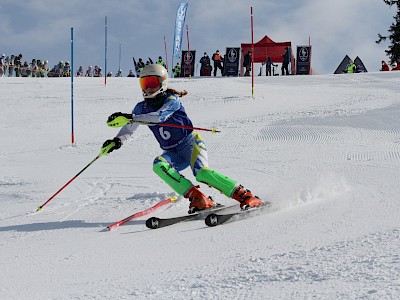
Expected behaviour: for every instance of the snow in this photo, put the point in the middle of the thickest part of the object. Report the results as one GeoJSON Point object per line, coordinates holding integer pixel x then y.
{"type": "Point", "coordinates": [325, 150]}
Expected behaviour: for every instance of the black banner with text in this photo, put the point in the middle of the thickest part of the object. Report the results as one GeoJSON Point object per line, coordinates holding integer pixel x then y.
{"type": "Point", "coordinates": [303, 60]}
{"type": "Point", "coordinates": [187, 63]}
{"type": "Point", "coordinates": [231, 62]}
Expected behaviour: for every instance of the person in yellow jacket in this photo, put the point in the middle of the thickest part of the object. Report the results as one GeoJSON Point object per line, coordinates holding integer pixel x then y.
{"type": "Point", "coordinates": [351, 67]}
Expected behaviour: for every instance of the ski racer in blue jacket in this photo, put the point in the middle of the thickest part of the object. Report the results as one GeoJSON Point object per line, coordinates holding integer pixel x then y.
{"type": "Point", "coordinates": [182, 147]}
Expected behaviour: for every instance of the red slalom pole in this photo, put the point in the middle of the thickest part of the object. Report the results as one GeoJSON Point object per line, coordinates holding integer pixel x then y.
{"type": "Point", "coordinates": [252, 53]}
{"type": "Point", "coordinates": [141, 213]}
{"type": "Point", "coordinates": [72, 179]}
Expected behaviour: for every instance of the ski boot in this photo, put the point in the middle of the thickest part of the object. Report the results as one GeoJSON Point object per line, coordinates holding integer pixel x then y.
{"type": "Point", "coordinates": [246, 198]}
{"type": "Point", "coordinates": [198, 201]}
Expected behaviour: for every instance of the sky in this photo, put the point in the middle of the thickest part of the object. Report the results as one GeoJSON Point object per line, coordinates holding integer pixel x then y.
{"type": "Point", "coordinates": [41, 29]}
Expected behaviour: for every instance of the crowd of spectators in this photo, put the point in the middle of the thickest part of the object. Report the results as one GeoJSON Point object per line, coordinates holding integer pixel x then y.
{"type": "Point", "coordinates": [15, 66]}
{"type": "Point", "coordinates": [12, 66]}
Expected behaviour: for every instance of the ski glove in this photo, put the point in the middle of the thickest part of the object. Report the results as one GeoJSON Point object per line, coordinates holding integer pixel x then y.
{"type": "Point", "coordinates": [110, 146]}
{"type": "Point", "coordinates": [119, 119]}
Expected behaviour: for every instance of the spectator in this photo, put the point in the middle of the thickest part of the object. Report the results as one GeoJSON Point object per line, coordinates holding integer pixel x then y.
{"type": "Point", "coordinates": [11, 66]}
{"type": "Point", "coordinates": [89, 72]}
{"type": "Point", "coordinates": [351, 67]}
{"type": "Point", "coordinates": [79, 73]}
{"type": "Point", "coordinates": [25, 70]}
{"type": "Point", "coordinates": [247, 63]}
{"type": "Point", "coordinates": [385, 66]}
{"type": "Point", "coordinates": [160, 62]}
{"type": "Point", "coordinates": [218, 59]}
{"type": "Point", "coordinates": [96, 71]}
{"type": "Point", "coordinates": [177, 70]}
{"type": "Point", "coordinates": [286, 61]}
{"type": "Point", "coordinates": [205, 69]}
{"type": "Point", "coordinates": [397, 67]}
{"type": "Point", "coordinates": [17, 65]}
{"type": "Point", "coordinates": [140, 66]}
{"type": "Point", "coordinates": [2, 65]}
{"type": "Point", "coordinates": [109, 74]}
{"type": "Point", "coordinates": [67, 69]}
{"type": "Point", "coordinates": [59, 69]}
{"type": "Point", "coordinates": [268, 67]}
{"type": "Point", "coordinates": [119, 73]}
{"type": "Point", "coordinates": [43, 70]}
{"type": "Point", "coordinates": [100, 73]}
{"type": "Point", "coordinates": [131, 74]}
{"type": "Point", "coordinates": [34, 68]}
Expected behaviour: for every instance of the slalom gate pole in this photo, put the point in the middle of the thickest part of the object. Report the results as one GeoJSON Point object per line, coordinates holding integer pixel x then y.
{"type": "Point", "coordinates": [252, 53]}
{"type": "Point", "coordinates": [72, 87]}
{"type": "Point", "coordinates": [72, 179]}
{"type": "Point", "coordinates": [105, 51]}
{"type": "Point", "coordinates": [142, 213]}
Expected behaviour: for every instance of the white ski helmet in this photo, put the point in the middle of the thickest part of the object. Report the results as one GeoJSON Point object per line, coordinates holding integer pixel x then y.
{"type": "Point", "coordinates": [155, 77]}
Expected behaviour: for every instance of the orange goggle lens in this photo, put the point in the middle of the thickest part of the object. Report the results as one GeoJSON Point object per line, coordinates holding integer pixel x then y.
{"type": "Point", "coordinates": [151, 82]}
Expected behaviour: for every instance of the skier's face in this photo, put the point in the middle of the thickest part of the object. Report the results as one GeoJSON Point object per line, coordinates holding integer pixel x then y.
{"type": "Point", "coordinates": [150, 84]}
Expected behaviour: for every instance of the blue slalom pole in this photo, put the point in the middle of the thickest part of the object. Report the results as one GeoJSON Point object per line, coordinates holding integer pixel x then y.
{"type": "Point", "coordinates": [105, 52]}
{"type": "Point", "coordinates": [72, 85]}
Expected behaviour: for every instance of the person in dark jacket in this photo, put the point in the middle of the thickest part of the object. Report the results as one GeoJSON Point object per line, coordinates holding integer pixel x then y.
{"type": "Point", "coordinates": [286, 61]}
{"type": "Point", "coordinates": [247, 63]}
{"type": "Point", "coordinates": [17, 65]}
{"type": "Point", "coordinates": [268, 67]}
{"type": "Point", "coordinates": [206, 68]}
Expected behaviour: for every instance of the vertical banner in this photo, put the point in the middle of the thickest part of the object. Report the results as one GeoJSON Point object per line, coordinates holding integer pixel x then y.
{"type": "Point", "coordinates": [72, 87]}
{"type": "Point", "coordinates": [231, 62]}
{"type": "Point", "coordinates": [303, 60]}
{"type": "Point", "coordinates": [187, 63]}
{"type": "Point", "coordinates": [179, 23]}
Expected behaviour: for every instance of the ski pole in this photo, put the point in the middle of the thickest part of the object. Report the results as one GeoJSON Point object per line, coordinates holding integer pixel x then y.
{"type": "Point", "coordinates": [142, 213]}
{"type": "Point", "coordinates": [120, 119]}
{"type": "Point", "coordinates": [72, 179]}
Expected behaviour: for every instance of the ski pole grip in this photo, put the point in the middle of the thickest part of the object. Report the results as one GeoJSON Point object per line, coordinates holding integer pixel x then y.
{"type": "Point", "coordinates": [119, 119]}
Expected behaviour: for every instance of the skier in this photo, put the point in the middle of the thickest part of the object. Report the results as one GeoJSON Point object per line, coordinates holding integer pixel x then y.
{"type": "Point", "coordinates": [182, 147]}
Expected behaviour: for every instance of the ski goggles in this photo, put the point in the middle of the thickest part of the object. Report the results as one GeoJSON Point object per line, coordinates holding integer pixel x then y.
{"type": "Point", "coordinates": [151, 82]}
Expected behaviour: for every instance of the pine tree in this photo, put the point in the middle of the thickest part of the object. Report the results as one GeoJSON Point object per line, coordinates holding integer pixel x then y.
{"type": "Point", "coordinates": [394, 35]}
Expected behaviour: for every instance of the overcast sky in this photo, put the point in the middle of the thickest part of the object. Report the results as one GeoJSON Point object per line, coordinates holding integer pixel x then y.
{"type": "Point", "coordinates": [41, 29]}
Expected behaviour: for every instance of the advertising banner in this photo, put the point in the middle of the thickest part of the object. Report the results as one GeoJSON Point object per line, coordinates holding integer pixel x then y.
{"type": "Point", "coordinates": [231, 62]}
{"type": "Point", "coordinates": [303, 60]}
{"type": "Point", "coordinates": [179, 24]}
{"type": "Point", "coordinates": [187, 63]}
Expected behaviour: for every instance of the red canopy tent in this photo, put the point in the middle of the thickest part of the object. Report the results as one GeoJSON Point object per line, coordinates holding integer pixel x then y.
{"type": "Point", "coordinates": [264, 48]}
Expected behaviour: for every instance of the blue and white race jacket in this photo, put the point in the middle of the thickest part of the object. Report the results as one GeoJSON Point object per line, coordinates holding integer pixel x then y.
{"type": "Point", "coordinates": [168, 110]}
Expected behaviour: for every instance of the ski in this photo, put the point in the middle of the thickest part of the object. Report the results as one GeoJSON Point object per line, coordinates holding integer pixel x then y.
{"type": "Point", "coordinates": [142, 213]}
{"type": "Point", "coordinates": [214, 219]}
{"type": "Point", "coordinates": [155, 223]}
